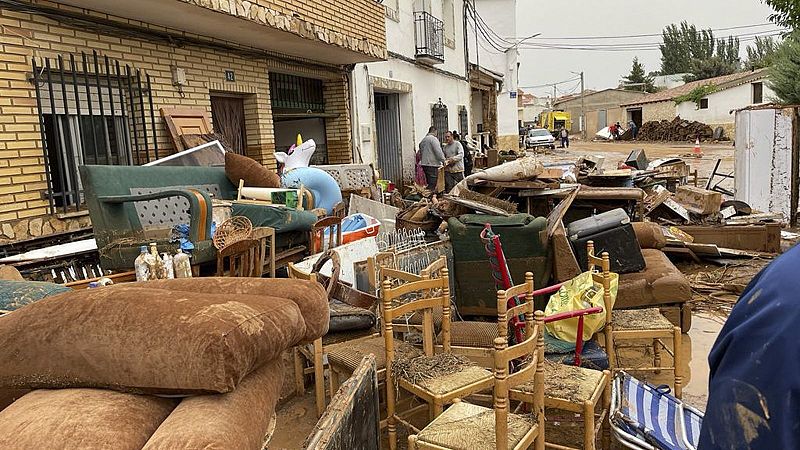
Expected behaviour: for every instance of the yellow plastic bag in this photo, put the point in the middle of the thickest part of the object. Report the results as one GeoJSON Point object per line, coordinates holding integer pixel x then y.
{"type": "Point", "coordinates": [579, 293]}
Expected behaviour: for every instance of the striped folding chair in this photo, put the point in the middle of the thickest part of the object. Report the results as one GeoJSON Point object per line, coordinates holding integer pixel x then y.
{"type": "Point", "coordinates": [649, 418]}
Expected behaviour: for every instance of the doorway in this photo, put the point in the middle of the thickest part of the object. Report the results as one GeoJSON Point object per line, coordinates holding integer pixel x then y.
{"type": "Point", "coordinates": [387, 135]}
{"type": "Point", "coordinates": [227, 113]}
{"type": "Point", "coordinates": [602, 119]}
{"type": "Point", "coordinates": [635, 114]}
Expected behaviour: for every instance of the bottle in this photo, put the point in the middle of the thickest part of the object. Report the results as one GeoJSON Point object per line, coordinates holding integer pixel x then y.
{"type": "Point", "coordinates": [157, 270]}
{"type": "Point", "coordinates": [170, 270]}
{"type": "Point", "coordinates": [140, 265]}
{"type": "Point", "coordinates": [182, 266]}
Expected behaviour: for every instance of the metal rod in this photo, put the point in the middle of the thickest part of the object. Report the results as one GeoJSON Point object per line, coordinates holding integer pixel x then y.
{"type": "Point", "coordinates": [141, 109]}
{"type": "Point", "coordinates": [91, 108]}
{"type": "Point", "coordinates": [73, 68]}
{"type": "Point", "coordinates": [133, 114]}
{"type": "Point", "coordinates": [152, 114]}
{"type": "Point", "coordinates": [120, 89]}
{"type": "Point", "coordinates": [44, 136]}
{"type": "Point", "coordinates": [111, 104]}
{"type": "Point", "coordinates": [56, 128]}
{"type": "Point", "coordinates": [100, 101]}
{"type": "Point", "coordinates": [71, 153]}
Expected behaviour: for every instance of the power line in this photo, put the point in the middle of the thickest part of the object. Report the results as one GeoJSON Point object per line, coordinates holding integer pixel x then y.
{"type": "Point", "coordinates": [626, 47]}
{"type": "Point", "coordinates": [550, 84]}
{"type": "Point", "coordinates": [740, 27]}
{"type": "Point", "coordinates": [651, 44]}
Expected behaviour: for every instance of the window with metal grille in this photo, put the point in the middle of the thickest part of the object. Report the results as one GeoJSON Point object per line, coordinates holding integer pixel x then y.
{"type": "Point", "coordinates": [463, 120]}
{"type": "Point", "coordinates": [439, 119]}
{"type": "Point", "coordinates": [91, 111]}
{"type": "Point", "coordinates": [293, 93]}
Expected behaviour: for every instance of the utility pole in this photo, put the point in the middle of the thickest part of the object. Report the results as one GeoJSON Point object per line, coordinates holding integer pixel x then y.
{"type": "Point", "coordinates": [583, 108]}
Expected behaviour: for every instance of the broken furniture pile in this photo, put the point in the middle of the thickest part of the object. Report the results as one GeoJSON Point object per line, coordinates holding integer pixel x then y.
{"type": "Point", "coordinates": [191, 363]}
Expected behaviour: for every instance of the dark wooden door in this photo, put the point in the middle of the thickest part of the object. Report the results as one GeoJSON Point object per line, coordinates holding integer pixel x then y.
{"type": "Point", "coordinates": [227, 113]}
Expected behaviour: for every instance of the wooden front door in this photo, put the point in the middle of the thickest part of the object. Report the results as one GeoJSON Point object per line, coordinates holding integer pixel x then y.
{"type": "Point", "coordinates": [227, 114]}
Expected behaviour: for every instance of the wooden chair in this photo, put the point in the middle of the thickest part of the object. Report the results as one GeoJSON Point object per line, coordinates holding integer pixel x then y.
{"type": "Point", "coordinates": [339, 210]}
{"type": "Point", "coordinates": [317, 242]}
{"type": "Point", "coordinates": [317, 367]}
{"type": "Point", "coordinates": [465, 426]}
{"type": "Point", "coordinates": [438, 391]}
{"type": "Point", "coordinates": [266, 238]}
{"type": "Point", "coordinates": [242, 259]}
{"type": "Point", "coordinates": [636, 324]}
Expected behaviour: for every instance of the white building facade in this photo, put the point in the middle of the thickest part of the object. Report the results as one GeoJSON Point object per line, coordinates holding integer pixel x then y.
{"type": "Point", "coordinates": [424, 82]}
{"type": "Point", "coordinates": [499, 62]}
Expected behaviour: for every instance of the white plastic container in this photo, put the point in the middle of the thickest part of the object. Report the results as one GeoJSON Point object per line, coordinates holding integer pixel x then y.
{"type": "Point", "coordinates": [182, 265]}
{"type": "Point", "coordinates": [170, 270]}
{"type": "Point", "coordinates": [140, 265]}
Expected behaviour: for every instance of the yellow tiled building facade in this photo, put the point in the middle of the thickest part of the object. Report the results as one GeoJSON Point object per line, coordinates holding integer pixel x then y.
{"type": "Point", "coordinates": [26, 35]}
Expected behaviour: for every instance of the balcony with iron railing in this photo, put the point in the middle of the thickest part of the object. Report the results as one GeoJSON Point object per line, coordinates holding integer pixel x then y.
{"type": "Point", "coordinates": [429, 36]}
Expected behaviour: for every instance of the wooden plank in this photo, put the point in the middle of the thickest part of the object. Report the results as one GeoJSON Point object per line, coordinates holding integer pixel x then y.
{"type": "Point", "coordinates": [352, 420]}
{"type": "Point", "coordinates": [124, 277]}
{"type": "Point", "coordinates": [757, 238]}
{"type": "Point", "coordinates": [532, 184]}
{"type": "Point", "coordinates": [755, 219]}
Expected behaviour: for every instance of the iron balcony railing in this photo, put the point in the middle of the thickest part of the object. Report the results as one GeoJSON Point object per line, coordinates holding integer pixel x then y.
{"type": "Point", "coordinates": [429, 34]}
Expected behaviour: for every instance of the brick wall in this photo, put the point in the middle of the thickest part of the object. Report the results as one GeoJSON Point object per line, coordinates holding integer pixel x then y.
{"type": "Point", "coordinates": [22, 166]}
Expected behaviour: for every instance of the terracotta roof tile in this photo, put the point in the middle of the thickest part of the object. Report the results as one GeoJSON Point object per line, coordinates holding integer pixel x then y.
{"type": "Point", "coordinates": [722, 82]}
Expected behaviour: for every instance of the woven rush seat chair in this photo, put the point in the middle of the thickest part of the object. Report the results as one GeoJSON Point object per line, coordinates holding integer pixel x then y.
{"type": "Point", "coordinates": [465, 426]}
{"type": "Point", "coordinates": [437, 379]}
{"type": "Point", "coordinates": [641, 324]}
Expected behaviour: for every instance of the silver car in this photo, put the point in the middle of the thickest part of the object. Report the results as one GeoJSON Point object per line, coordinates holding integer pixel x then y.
{"type": "Point", "coordinates": [539, 137]}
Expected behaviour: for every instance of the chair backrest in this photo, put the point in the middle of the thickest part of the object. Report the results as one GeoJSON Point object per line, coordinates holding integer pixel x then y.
{"type": "Point", "coordinates": [523, 292]}
{"type": "Point", "coordinates": [531, 351]}
{"type": "Point", "coordinates": [333, 226]}
{"type": "Point", "coordinates": [601, 273]}
{"type": "Point", "coordinates": [242, 257]}
{"type": "Point", "coordinates": [434, 269]}
{"type": "Point", "coordinates": [434, 292]}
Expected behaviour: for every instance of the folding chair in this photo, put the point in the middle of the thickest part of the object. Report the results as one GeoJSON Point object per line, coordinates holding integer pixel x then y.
{"type": "Point", "coordinates": [644, 417]}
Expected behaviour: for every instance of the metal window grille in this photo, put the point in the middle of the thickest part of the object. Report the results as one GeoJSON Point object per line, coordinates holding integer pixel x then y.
{"type": "Point", "coordinates": [463, 120]}
{"type": "Point", "coordinates": [92, 110]}
{"type": "Point", "coordinates": [429, 36]}
{"type": "Point", "coordinates": [290, 92]}
{"type": "Point", "coordinates": [439, 119]}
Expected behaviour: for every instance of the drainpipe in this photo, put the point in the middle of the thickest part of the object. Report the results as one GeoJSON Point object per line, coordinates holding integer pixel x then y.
{"type": "Point", "coordinates": [354, 120]}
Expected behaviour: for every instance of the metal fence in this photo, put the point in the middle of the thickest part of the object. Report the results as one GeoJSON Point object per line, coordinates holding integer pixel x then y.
{"type": "Point", "coordinates": [291, 92]}
{"type": "Point", "coordinates": [92, 110]}
{"type": "Point", "coordinates": [439, 119]}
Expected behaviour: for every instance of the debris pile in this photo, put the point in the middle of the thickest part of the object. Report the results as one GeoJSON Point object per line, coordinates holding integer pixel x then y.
{"type": "Point", "coordinates": [674, 130]}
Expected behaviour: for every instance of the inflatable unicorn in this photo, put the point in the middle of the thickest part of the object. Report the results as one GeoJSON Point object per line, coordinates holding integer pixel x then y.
{"type": "Point", "coordinates": [296, 172]}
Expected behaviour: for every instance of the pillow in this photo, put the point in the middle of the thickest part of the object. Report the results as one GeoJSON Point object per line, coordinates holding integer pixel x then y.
{"type": "Point", "coordinates": [240, 167]}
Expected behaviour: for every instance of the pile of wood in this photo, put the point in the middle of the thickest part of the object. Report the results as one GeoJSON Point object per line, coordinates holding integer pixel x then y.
{"type": "Point", "coordinates": [675, 130]}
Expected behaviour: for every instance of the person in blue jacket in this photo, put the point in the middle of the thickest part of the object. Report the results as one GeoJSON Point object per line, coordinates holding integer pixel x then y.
{"type": "Point", "coordinates": [754, 386]}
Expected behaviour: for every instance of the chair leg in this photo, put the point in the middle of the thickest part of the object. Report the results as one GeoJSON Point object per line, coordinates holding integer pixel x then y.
{"type": "Point", "coordinates": [319, 377]}
{"type": "Point", "coordinates": [677, 361]}
{"type": "Point", "coordinates": [607, 406]}
{"type": "Point", "coordinates": [412, 442]}
{"type": "Point", "coordinates": [435, 409]}
{"type": "Point", "coordinates": [610, 347]}
{"type": "Point", "coordinates": [299, 382]}
{"type": "Point", "coordinates": [333, 380]}
{"type": "Point", "coordinates": [589, 437]}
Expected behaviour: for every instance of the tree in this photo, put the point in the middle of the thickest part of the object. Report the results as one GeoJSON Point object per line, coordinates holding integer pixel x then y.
{"type": "Point", "coordinates": [787, 13]}
{"type": "Point", "coordinates": [638, 80]}
{"type": "Point", "coordinates": [783, 72]}
{"type": "Point", "coordinates": [683, 43]}
{"type": "Point", "coordinates": [725, 61]}
{"type": "Point", "coordinates": [760, 54]}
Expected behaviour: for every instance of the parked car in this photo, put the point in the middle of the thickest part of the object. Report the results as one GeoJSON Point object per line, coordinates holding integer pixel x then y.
{"type": "Point", "coordinates": [539, 137]}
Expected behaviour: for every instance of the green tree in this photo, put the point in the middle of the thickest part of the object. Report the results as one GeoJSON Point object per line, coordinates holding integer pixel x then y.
{"type": "Point", "coordinates": [683, 43]}
{"type": "Point", "coordinates": [760, 54]}
{"type": "Point", "coordinates": [787, 13]}
{"type": "Point", "coordinates": [783, 72]}
{"type": "Point", "coordinates": [638, 80]}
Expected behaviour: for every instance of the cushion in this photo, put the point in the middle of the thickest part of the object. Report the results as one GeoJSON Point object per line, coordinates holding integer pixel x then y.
{"type": "Point", "coordinates": [82, 419]}
{"type": "Point", "coordinates": [240, 167]}
{"type": "Point", "coordinates": [238, 419]}
{"type": "Point", "coordinates": [16, 294]}
{"type": "Point", "coordinates": [649, 235]}
{"type": "Point", "coordinates": [661, 283]}
{"type": "Point", "coordinates": [184, 336]}
{"type": "Point", "coordinates": [282, 219]}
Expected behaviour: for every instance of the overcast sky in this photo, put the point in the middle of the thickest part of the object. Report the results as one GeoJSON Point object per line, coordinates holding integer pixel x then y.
{"type": "Point", "coordinates": [614, 18]}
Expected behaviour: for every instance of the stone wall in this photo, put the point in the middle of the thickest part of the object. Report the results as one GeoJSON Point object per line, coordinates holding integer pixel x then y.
{"type": "Point", "coordinates": [40, 226]}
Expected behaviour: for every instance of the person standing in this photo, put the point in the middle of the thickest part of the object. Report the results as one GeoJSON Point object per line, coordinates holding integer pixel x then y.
{"type": "Point", "coordinates": [454, 164]}
{"type": "Point", "coordinates": [431, 158]}
{"type": "Point", "coordinates": [564, 138]}
{"type": "Point", "coordinates": [634, 129]}
{"type": "Point", "coordinates": [617, 131]}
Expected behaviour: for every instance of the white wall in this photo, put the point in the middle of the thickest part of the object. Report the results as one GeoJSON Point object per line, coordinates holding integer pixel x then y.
{"type": "Point", "coordinates": [720, 104]}
{"type": "Point", "coordinates": [500, 16]}
{"type": "Point", "coordinates": [425, 85]}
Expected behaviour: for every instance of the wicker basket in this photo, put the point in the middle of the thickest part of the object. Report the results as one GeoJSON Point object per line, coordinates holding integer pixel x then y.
{"type": "Point", "coordinates": [235, 229]}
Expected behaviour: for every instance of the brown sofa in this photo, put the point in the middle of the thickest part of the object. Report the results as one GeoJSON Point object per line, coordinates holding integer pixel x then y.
{"type": "Point", "coordinates": [660, 284]}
